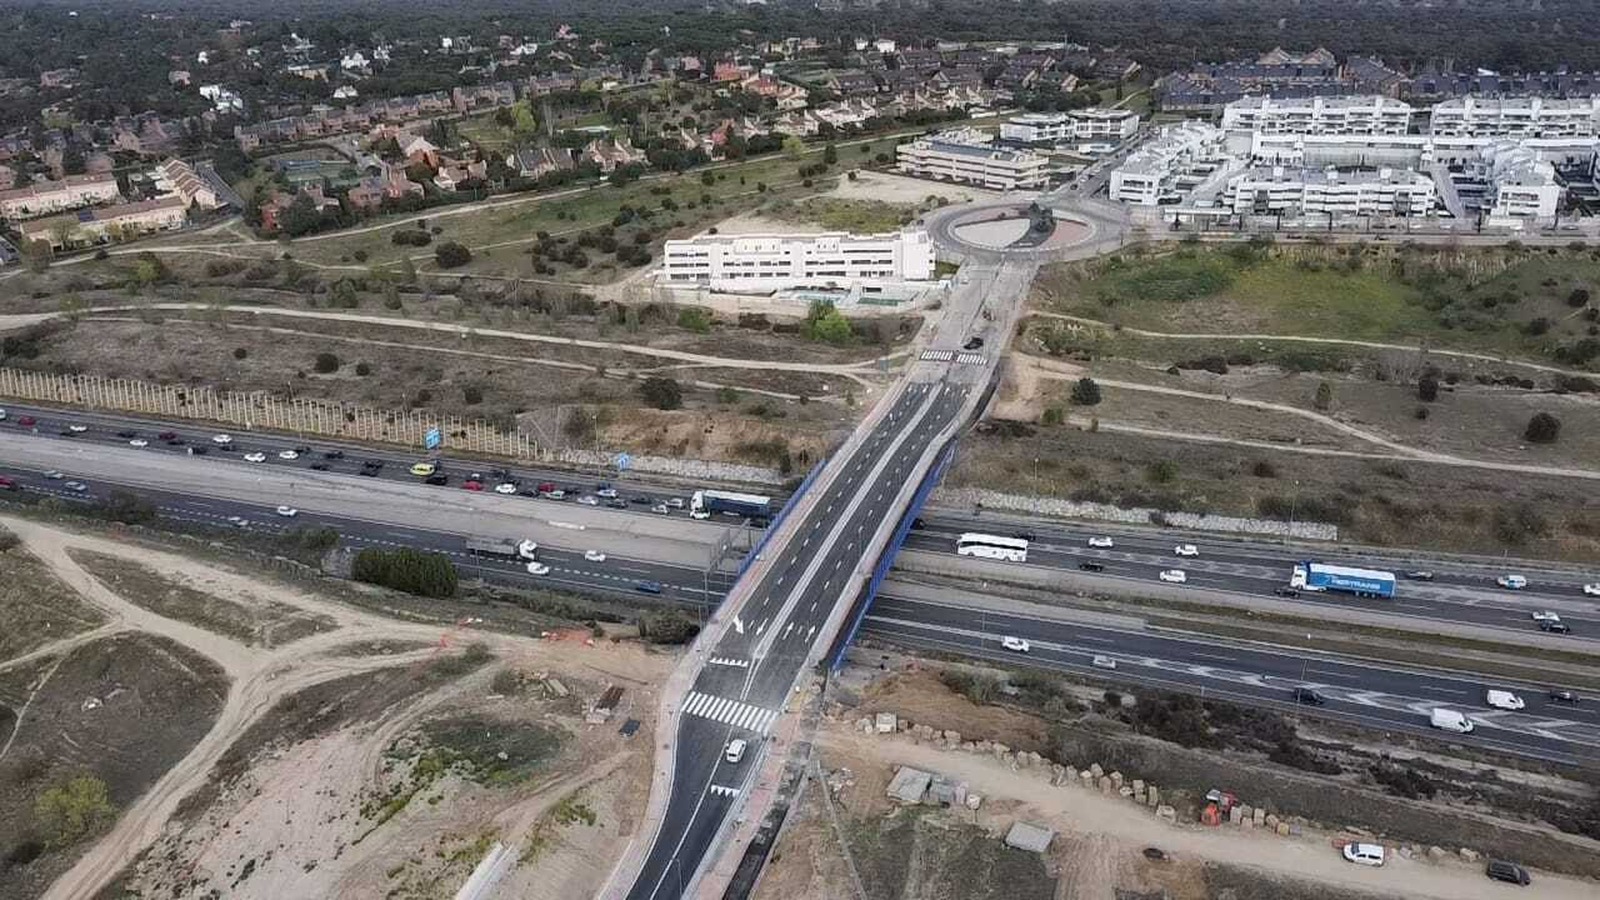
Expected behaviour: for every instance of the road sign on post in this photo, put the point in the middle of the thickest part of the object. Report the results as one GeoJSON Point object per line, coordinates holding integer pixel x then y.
{"type": "Point", "coordinates": [622, 462]}
{"type": "Point", "coordinates": [431, 439]}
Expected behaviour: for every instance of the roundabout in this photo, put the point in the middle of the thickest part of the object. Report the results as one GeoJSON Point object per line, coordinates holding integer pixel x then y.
{"type": "Point", "coordinates": [1032, 230]}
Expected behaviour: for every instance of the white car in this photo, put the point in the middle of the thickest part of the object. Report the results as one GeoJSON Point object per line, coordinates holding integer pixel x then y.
{"type": "Point", "coordinates": [594, 556]}
{"type": "Point", "coordinates": [77, 429]}
{"type": "Point", "coordinates": [1103, 662]}
{"type": "Point", "coordinates": [1102, 542]}
{"type": "Point", "coordinates": [660, 508]}
{"type": "Point", "coordinates": [138, 442]}
{"type": "Point", "coordinates": [588, 500]}
{"type": "Point", "coordinates": [222, 439]}
{"type": "Point", "coordinates": [1592, 590]}
{"type": "Point", "coordinates": [53, 475]}
{"type": "Point", "coordinates": [528, 549]}
{"type": "Point", "coordinates": [1512, 582]}
{"type": "Point", "coordinates": [288, 454]}
{"type": "Point", "coordinates": [608, 493]}
{"type": "Point", "coordinates": [2, 415]}
{"type": "Point", "coordinates": [1543, 615]}
{"type": "Point", "coordinates": [77, 487]}
{"type": "Point", "coordinates": [538, 568]}
{"type": "Point", "coordinates": [675, 502]}
{"type": "Point", "coordinates": [505, 487]}
{"type": "Point", "coordinates": [1364, 854]}
{"type": "Point", "coordinates": [1186, 550]}
{"type": "Point", "coordinates": [288, 512]}
{"type": "Point", "coordinates": [257, 456]}
{"type": "Point", "coordinates": [1175, 576]}
{"type": "Point", "coordinates": [1503, 700]}
{"type": "Point", "coordinates": [239, 521]}
{"type": "Point", "coordinates": [1014, 643]}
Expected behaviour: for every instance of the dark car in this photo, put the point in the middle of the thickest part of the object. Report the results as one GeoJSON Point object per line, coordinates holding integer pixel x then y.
{"type": "Point", "coordinates": [175, 442]}
{"type": "Point", "coordinates": [127, 435]}
{"type": "Point", "coordinates": [1562, 696]}
{"type": "Point", "coordinates": [437, 478]}
{"type": "Point", "coordinates": [1286, 591]}
{"type": "Point", "coordinates": [319, 467]}
{"type": "Point", "coordinates": [1308, 697]}
{"type": "Point", "coordinates": [617, 503]}
{"type": "Point", "coordinates": [972, 343]}
{"type": "Point", "coordinates": [648, 587]}
{"type": "Point", "coordinates": [1420, 575]}
{"type": "Point", "coordinates": [917, 524]}
{"type": "Point", "coordinates": [198, 450]}
{"type": "Point", "coordinates": [641, 500]}
{"type": "Point", "coordinates": [1501, 870]}
{"type": "Point", "coordinates": [333, 454]}
{"type": "Point", "coordinates": [168, 436]}
{"type": "Point", "coordinates": [372, 467]}
{"type": "Point", "coordinates": [7, 484]}
{"type": "Point", "coordinates": [1092, 566]}
{"type": "Point", "coordinates": [1555, 627]}
{"type": "Point", "coordinates": [1024, 535]}
{"type": "Point", "coordinates": [27, 421]}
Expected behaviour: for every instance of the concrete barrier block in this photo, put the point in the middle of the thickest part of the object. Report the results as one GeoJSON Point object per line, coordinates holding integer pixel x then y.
{"type": "Point", "coordinates": [1094, 768]}
{"type": "Point", "coordinates": [1166, 812]}
{"type": "Point", "coordinates": [1152, 796]}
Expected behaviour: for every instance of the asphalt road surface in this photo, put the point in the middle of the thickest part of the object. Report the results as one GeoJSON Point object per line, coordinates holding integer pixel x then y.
{"type": "Point", "coordinates": [1381, 696]}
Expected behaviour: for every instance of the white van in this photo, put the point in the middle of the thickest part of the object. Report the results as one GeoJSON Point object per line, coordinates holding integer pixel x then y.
{"type": "Point", "coordinates": [1450, 720]}
{"type": "Point", "coordinates": [734, 751]}
{"type": "Point", "coordinates": [1503, 700]}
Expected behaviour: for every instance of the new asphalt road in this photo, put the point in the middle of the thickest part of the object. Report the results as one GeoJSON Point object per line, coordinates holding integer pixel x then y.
{"type": "Point", "coordinates": [743, 690]}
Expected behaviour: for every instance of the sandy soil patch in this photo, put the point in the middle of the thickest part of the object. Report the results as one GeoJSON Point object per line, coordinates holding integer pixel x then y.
{"type": "Point", "coordinates": [891, 188]}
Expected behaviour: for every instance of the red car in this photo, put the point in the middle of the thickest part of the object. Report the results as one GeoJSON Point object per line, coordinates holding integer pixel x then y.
{"type": "Point", "coordinates": [473, 485]}
{"type": "Point", "coordinates": [167, 435]}
{"type": "Point", "coordinates": [7, 484]}
{"type": "Point", "coordinates": [27, 421]}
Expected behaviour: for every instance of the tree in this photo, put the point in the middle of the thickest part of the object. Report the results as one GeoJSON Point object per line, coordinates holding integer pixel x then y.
{"type": "Point", "coordinates": [830, 154]}
{"type": "Point", "coordinates": [1428, 387]}
{"type": "Point", "coordinates": [1324, 398]}
{"type": "Point", "coordinates": [1085, 392]}
{"type": "Point", "coordinates": [73, 810]}
{"type": "Point", "coordinates": [825, 323]}
{"type": "Point", "coordinates": [450, 254]}
{"type": "Point", "coordinates": [129, 508]}
{"type": "Point", "coordinates": [662, 393]}
{"type": "Point", "coordinates": [1543, 428]}
{"type": "Point", "coordinates": [325, 364]}
{"type": "Point", "coordinates": [1053, 415]}
{"type": "Point", "coordinates": [301, 217]}
{"type": "Point", "coordinates": [413, 571]}
{"type": "Point", "coordinates": [1578, 298]}
{"type": "Point", "coordinates": [793, 147]}
{"type": "Point", "coordinates": [668, 626]}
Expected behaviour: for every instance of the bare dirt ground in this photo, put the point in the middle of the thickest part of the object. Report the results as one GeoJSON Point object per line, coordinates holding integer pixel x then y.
{"type": "Point", "coordinates": [375, 797]}
{"type": "Point", "coordinates": [35, 606]}
{"type": "Point", "coordinates": [1098, 852]}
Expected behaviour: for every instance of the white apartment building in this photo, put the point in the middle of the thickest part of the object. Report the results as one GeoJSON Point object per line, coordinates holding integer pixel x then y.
{"type": "Point", "coordinates": [1083, 125]}
{"type": "Point", "coordinates": [1329, 192]}
{"type": "Point", "coordinates": [48, 197]}
{"type": "Point", "coordinates": [1521, 185]}
{"type": "Point", "coordinates": [762, 263]}
{"type": "Point", "coordinates": [1374, 114]}
{"type": "Point", "coordinates": [1414, 151]}
{"type": "Point", "coordinates": [1517, 117]}
{"type": "Point", "coordinates": [109, 223]}
{"type": "Point", "coordinates": [178, 177]}
{"type": "Point", "coordinates": [1182, 158]}
{"type": "Point", "coordinates": [984, 166]}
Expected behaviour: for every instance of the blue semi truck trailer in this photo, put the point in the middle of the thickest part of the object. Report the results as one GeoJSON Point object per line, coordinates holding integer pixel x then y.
{"type": "Point", "coordinates": [1318, 577]}
{"type": "Point", "coordinates": [751, 506]}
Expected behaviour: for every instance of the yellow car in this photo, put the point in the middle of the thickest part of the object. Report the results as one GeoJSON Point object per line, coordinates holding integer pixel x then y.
{"type": "Point", "coordinates": [423, 469]}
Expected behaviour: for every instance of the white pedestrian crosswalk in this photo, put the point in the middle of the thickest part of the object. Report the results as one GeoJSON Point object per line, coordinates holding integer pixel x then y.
{"type": "Point", "coordinates": [726, 661]}
{"type": "Point", "coordinates": [971, 359]}
{"type": "Point", "coordinates": [729, 712]}
{"type": "Point", "coordinates": [724, 791]}
{"type": "Point", "coordinates": [938, 355]}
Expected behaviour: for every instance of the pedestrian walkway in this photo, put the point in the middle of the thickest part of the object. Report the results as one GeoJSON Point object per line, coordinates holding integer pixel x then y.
{"type": "Point", "coordinates": [729, 712]}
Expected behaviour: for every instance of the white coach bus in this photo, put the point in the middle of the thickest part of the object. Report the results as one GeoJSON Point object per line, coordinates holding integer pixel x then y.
{"type": "Point", "coordinates": [992, 546]}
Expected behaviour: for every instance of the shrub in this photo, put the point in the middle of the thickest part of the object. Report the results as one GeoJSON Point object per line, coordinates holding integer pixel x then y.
{"type": "Point", "coordinates": [668, 626]}
{"type": "Point", "coordinates": [450, 255]}
{"type": "Point", "coordinates": [325, 363]}
{"type": "Point", "coordinates": [1323, 400]}
{"type": "Point", "coordinates": [363, 369]}
{"type": "Point", "coordinates": [129, 508]}
{"type": "Point", "coordinates": [1428, 387]}
{"type": "Point", "coordinates": [974, 686]}
{"type": "Point", "coordinates": [1543, 428]}
{"type": "Point", "coordinates": [1578, 298]}
{"type": "Point", "coordinates": [1162, 471]}
{"type": "Point", "coordinates": [1403, 781]}
{"type": "Point", "coordinates": [73, 810]}
{"type": "Point", "coordinates": [1085, 392]}
{"type": "Point", "coordinates": [662, 393]}
{"type": "Point", "coordinates": [412, 571]}
{"type": "Point", "coordinates": [694, 319]}
{"type": "Point", "coordinates": [1053, 415]}
{"type": "Point", "coordinates": [240, 353]}
{"type": "Point", "coordinates": [472, 395]}
{"type": "Point", "coordinates": [405, 238]}
{"type": "Point", "coordinates": [1264, 469]}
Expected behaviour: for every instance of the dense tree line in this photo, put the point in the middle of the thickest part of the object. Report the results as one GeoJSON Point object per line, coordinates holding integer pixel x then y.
{"type": "Point", "coordinates": [412, 571]}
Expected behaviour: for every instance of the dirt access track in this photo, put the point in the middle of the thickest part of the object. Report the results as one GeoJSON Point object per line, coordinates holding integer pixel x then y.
{"type": "Point", "coordinates": [259, 678]}
{"type": "Point", "coordinates": [1100, 837]}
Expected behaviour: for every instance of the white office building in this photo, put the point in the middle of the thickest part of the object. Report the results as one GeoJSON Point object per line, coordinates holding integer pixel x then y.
{"type": "Point", "coordinates": [762, 263]}
{"type": "Point", "coordinates": [984, 166]}
{"type": "Point", "coordinates": [1415, 151]}
{"type": "Point", "coordinates": [1374, 114]}
{"type": "Point", "coordinates": [1082, 126]}
{"type": "Point", "coordinates": [1182, 159]}
{"type": "Point", "coordinates": [1292, 192]}
{"type": "Point", "coordinates": [1516, 117]}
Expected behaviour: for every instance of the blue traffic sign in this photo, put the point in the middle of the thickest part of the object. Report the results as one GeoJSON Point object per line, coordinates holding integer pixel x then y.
{"type": "Point", "coordinates": [623, 461]}
{"type": "Point", "coordinates": [431, 439]}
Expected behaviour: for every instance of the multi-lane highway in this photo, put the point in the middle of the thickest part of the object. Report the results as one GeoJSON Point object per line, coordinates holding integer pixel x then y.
{"type": "Point", "coordinates": [1386, 696]}
{"type": "Point", "coordinates": [1461, 592]}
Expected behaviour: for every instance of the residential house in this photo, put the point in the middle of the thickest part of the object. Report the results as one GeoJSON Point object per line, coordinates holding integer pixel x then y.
{"type": "Point", "coordinates": [610, 152]}
{"type": "Point", "coordinates": [178, 78]}
{"type": "Point", "coordinates": [278, 202]}
{"type": "Point", "coordinates": [483, 96]}
{"type": "Point", "coordinates": [455, 174]}
{"type": "Point", "coordinates": [419, 149]}
{"type": "Point", "coordinates": [727, 70]}
{"type": "Point", "coordinates": [110, 223]}
{"type": "Point", "coordinates": [389, 182]}
{"type": "Point", "coordinates": [178, 177]}
{"type": "Point", "coordinates": [852, 84]}
{"type": "Point", "coordinates": [48, 197]}
{"type": "Point", "coordinates": [540, 162]}
{"type": "Point", "coordinates": [58, 78]}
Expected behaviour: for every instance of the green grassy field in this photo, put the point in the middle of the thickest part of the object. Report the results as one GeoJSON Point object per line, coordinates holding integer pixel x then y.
{"type": "Point", "coordinates": [835, 214]}
{"type": "Point", "coordinates": [1506, 300]}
